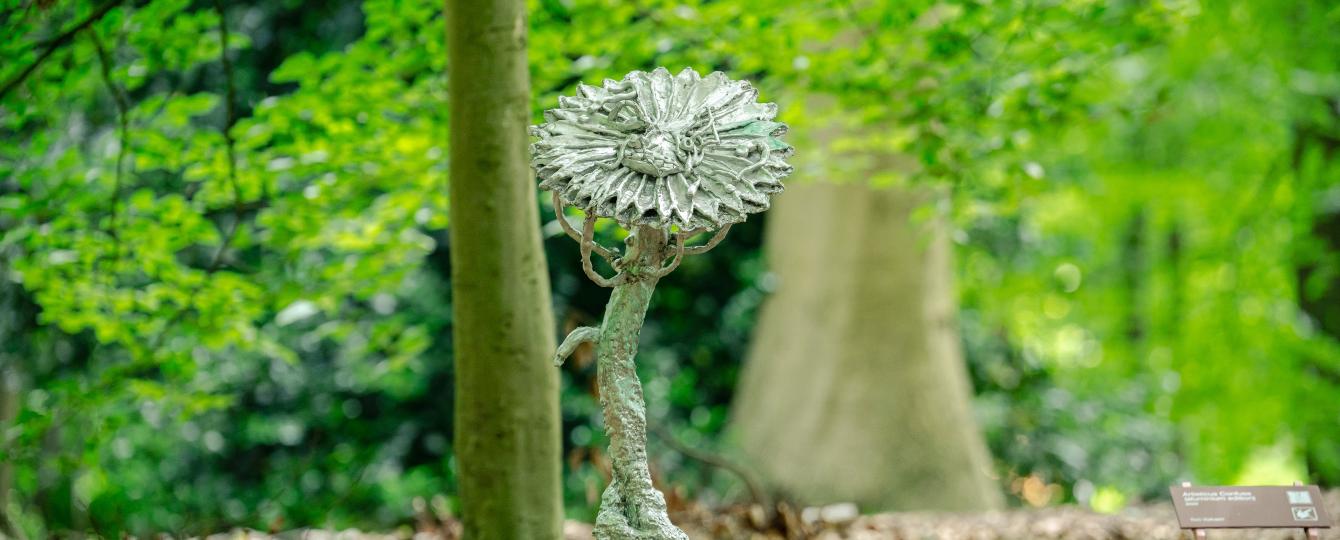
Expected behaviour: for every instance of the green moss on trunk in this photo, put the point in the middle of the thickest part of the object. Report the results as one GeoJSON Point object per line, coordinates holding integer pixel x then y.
{"type": "Point", "coordinates": [507, 422]}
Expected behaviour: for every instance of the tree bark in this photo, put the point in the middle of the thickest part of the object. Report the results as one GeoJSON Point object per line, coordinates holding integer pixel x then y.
{"type": "Point", "coordinates": [855, 387]}
{"type": "Point", "coordinates": [9, 409]}
{"type": "Point", "coordinates": [17, 315]}
{"type": "Point", "coordinates": [507, 433]}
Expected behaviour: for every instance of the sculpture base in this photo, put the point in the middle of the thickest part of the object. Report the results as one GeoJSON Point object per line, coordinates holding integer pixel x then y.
{"type": "Point", "coordinates": [653, 523]}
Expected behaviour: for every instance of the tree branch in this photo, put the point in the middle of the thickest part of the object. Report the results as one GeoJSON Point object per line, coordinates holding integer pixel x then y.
{"type": "Point", "coordinates": [679, 256]}
{"type": "Point", "coordinates": [55, 44]}
{"type": "Point", "coordinates": [587, 243]}
{"type": "Point", "coordinates": [230, 113]}
{"type": "Point", "coordinates": [608, 254]}
{"type": "Point", "coordinates": [756, 492]}
{"type": "Point", "coordinates": [716, 239]}
{"type": "Point", "coordinates": [123, 146]}
{"type": "Point", "coordinates": [583, 334]}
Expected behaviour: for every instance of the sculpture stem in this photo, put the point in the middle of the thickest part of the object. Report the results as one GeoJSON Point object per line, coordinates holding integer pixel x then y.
{"type": "Point", "coordinates": [631, 508]}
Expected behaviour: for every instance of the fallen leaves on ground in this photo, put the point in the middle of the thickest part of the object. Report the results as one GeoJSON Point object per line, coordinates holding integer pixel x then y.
{"type": "Point", "coordinates": [841, 521]}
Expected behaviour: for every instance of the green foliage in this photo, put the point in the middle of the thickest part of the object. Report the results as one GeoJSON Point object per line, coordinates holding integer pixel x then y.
{"type": "Point", "coordinates": [194, 280]}
{"type": "Point", "coordinates": [1165, 262]}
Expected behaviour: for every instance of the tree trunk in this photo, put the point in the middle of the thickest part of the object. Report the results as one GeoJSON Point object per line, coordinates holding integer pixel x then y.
{"type": "Point", "coordinates": [17, 317]}
{"type": "Point", "coordinates": [507, 438]}
{"type": "Point", "coordinates": [9, 409]}
{"type": "Point", "coordinates": [855, 387]}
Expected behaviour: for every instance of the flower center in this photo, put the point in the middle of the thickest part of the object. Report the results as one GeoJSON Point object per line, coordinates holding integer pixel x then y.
{"type": "Point", "coordinates": [657, 153]}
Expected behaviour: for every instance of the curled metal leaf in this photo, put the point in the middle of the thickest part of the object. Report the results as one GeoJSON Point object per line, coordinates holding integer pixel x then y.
{"type": "Point", "coordinates": [658, 149]}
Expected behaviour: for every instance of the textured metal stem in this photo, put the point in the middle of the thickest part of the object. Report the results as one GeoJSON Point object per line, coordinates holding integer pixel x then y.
{"type": "Point", "coordinates": [608, 254]}
{"type": "Point", "coordinates": [657, 153]}
{"type": "Point", "coordinates": [587, 243]}
{"type": "Point", "coordinates": [679, 256]}
{"type": "Point", "coordinates": [631, 507]}
{"type": "Point", "coordinates": [716, 239]}
{"type": "Point", "coordinates": [584, 334]}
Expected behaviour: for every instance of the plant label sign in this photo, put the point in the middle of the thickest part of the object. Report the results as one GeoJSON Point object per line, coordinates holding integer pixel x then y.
{"type": "Point", "coordinates": [1221, 507]}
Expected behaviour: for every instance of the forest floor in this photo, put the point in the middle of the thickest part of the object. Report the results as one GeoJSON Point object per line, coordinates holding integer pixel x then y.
{"type": "Point", "coordinates": [1144, 522]}
{"type": "Point", "coordinates": [1155, 521]}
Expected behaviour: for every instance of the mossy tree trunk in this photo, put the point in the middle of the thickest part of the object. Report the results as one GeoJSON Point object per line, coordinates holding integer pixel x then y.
{"type": "Point", "coordinates": [18, 340]}
{"type": "Point", "coordinates": [855, 387]}
{"type": "Point", "coordinates": [507, 432]}
{"type": "Point", "coordinates": [9, 409]}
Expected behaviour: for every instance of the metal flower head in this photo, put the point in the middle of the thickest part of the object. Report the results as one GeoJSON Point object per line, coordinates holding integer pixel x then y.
{"type": "Point", "coordinates": [658, 149]}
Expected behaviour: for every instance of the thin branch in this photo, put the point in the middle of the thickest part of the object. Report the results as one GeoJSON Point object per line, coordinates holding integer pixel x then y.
{"type": "Point", "coordinates": [55, 44]}
{"type": "Point", "coordinates": [679, 256]}
{"type": "Point", "coordinates": [249, 206]}
{"type": "Point", "coordinates": [230, 112]}
{"type": "Point", "coordinates": [583, 334]}
{"type": "Point", "coordinates": [8, 12]}
{"type": "Point", "coordinates": [716, 239]}
{"type": "Point", "coordinates": [229, 119]}
{"type": "Point", "coordinates": [123, 146]}
{"type": "Point", "coordinates": [608, 254]}
{"type": "Point", "coordinates": [751, 483]}
{"type": "Point", "coordinates": [587, 242]}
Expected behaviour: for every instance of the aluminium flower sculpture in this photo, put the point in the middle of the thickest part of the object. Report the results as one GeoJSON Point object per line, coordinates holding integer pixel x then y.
{"type": "Point", "coordinates": [656, 149]}
{"type": "Point", "coordinates": [668, 157]}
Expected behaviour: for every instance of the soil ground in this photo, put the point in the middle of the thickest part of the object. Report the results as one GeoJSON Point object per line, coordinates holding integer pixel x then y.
{"type": "Point", "coordinates": [1144, 522]}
